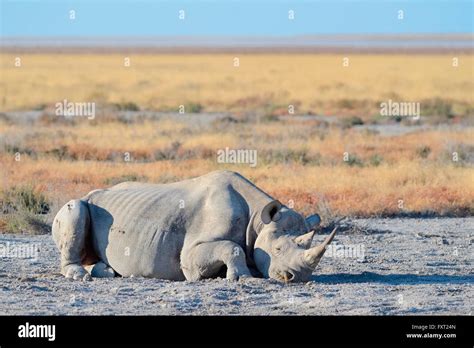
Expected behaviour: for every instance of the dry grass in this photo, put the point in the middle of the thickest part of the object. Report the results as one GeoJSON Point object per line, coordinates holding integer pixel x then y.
{"type": "Point", "coordinates": [315, 83]}
{"type": "Point", "coordinates": [298, 160]}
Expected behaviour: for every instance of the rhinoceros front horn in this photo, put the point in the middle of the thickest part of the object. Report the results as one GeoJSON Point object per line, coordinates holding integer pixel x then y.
{"type": "Point", "coordinates": [313, 255]}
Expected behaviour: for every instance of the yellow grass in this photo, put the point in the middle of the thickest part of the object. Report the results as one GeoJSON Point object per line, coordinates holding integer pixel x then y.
{"type": "Point", "coordinates": [424, 183]}
{"type": "Point", "coordinates": [299, 161]}
{"type": "Point", "coordinates": [313, 82]}
{"type": "Point", "coordinates": [349, 191]}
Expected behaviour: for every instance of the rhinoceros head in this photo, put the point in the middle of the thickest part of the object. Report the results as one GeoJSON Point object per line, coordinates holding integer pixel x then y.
{"type": "Point", "coordinates": [282, 249]}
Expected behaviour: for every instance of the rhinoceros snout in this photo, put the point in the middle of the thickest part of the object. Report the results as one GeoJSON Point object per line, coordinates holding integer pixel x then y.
{"type": "Point", "coordinates": [284, 276]}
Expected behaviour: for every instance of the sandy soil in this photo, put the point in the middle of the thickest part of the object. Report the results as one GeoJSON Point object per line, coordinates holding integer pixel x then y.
{"type": "Point", "coordinates": [386, 266]}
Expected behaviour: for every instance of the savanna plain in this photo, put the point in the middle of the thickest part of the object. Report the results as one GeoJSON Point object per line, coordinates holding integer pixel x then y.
{"type": "Point", "coordinates": [404, 183]}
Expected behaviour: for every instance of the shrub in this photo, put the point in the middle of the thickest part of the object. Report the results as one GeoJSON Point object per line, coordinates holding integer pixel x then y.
{"type": "Point", "coordinates": [24, 222]}
{"type": "Point", "coordinates": [376, 160]}
{"type": "Point", "coordinates": [48, 119]}
{"type": "Point", "coordinates": [40, 107]}
{"type": "Point", "coordinates": [193, 108]}
{"type": "Point", "coordinates": [287, 156]}
{"type": "Point", "coordinates": [347, 103]}
{"type": "Point", "coordinates": [423, 151]}
{"type": "Point", "coordinates": [324, 211]}
{"type": "Point", "coordinates": [24, 199]}
{"type": "Point", "coordinates": [269, 118]}
{"type": "Point", "coordinates": [13, 149]}
{"type": "Point", "coordinates": [222, 124]}
{"type": "Point", "coordinates": [24, 210]}
{"type": "Point", "coordinates": [353, 160]}
{"type": "Point", "coordinates": [126, 106]}
{"type": "Point", "coordinates": [169, 153]}
{"type": "Point", "coordinates": [5, 119]}
{"type": "Point", "coordinates": [349, 122]}
{"type": "Point", "coordinates": [61, 153]}
{"type": "Point", "coordinates": [459, 153]}
{"type": "Point", "coordinates": [437, 107]}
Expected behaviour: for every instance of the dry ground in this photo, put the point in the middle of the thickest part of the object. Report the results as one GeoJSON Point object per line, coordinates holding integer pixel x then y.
{"type": "Point", "coordinates": [409, 266]}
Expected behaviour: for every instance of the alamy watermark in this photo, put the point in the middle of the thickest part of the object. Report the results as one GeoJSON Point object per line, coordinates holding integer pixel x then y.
{"type": "Point", "coordinates": [37, 331]}
{"type": "Point", "coordinates": [400, 109]}
{"type": "Point", "coordinates": [353, 251]}
{"type": "Point", "coordinates": [237, 156]}
{"type": "Point", "coordinates": [19, 250]}
{"type": "Point", "coordinates": [79, 109]}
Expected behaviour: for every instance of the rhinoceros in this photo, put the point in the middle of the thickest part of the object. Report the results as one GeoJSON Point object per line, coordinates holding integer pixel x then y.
{"type": "Point", "coordinates": [218, 224]}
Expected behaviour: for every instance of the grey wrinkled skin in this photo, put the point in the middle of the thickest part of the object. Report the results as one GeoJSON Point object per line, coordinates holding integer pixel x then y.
{"type": "Point", "coordinates": [189, 230]}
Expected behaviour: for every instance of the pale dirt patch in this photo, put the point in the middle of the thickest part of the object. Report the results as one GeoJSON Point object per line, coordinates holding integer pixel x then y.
{"type": "Point", "coordinates": [410, 266]}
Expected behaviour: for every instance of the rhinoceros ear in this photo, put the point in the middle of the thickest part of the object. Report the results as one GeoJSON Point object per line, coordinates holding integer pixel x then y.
{"type": "Point", "coordinates": [313, 221]}
{"type": "Point", "coordinates": [271, 212]}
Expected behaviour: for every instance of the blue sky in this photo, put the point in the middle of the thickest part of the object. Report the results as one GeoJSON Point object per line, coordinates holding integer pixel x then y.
{"type": "Point", "coordinates": [233, 18]}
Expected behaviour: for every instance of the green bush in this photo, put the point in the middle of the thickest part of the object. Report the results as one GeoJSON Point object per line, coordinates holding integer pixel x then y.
{"type": "Point", "coordinates": [24, 210]}
{"type": "Point", "coordinates": [376, 160]}
{"type": "Point", "coordinates": [24, 222]}
{"type": "Point", "coordinates": [14, 148]}
{"type": "Point", "coordinates": [24, 199]}
{"type": "Point", "coordinates": [349, 122]}
{"type": "Point", "coordinates": [437, 107]}
{"type": "Point", "coordinates": [287, 156]}
{"type": "Point", "coordinates": [269, 118]}
{"type": "Point", "coordinates": [126, 106]}
{"type": "Point", "coordinates": [193, 108]}
{"type": "Point", "coordinates": [353, 160]}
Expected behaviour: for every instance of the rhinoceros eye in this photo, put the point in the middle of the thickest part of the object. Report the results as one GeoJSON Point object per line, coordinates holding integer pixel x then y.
{"type": "Point", "coordinates": [277, 250]}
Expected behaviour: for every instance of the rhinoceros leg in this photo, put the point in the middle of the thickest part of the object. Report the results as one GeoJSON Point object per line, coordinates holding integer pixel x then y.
{"type": "Point", "coordinates": [70, 229]}
{"type": "Point", "coordinates": [206, 259]}
{"type": "Point", "coordinates": [100, 270]}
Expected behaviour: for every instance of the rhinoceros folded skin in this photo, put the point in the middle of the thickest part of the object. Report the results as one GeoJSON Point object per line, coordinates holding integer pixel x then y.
{"type": "Point", "coordinates": [184, 230]}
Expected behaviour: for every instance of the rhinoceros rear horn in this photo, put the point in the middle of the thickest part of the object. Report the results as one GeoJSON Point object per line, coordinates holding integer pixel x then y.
{"type": "Point", "coordinates": [313, 255]}
{"type": "Point", "coordinates": [305, 239]}
{"type": "Point", "coordinates": [271, 212]}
